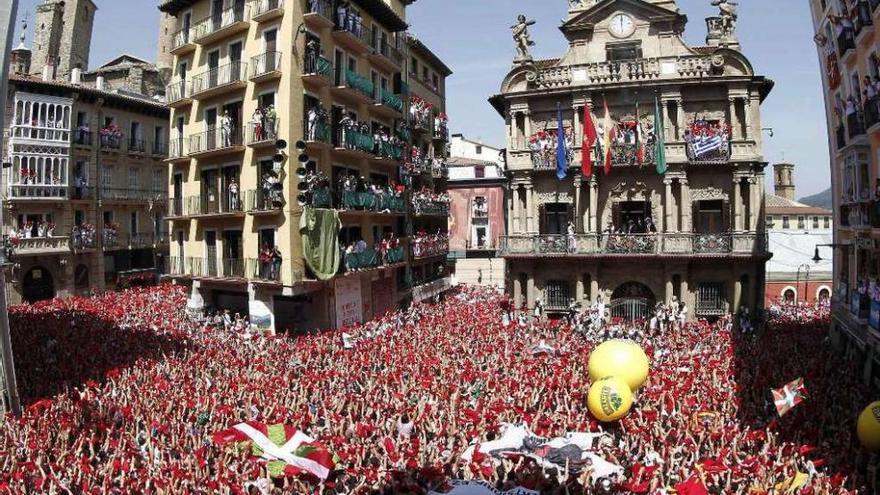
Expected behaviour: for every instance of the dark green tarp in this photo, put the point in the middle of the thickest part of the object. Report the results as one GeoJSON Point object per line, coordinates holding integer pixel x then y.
{"type": "Point", "coordinates": [320, 239]}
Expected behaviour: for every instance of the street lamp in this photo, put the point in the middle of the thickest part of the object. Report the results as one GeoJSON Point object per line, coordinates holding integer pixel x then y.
{"type": "Point", "coordinates": [817, 258]}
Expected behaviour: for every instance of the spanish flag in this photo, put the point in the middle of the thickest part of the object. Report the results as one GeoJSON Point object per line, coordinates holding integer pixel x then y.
{"type": "Point", "coordinates": [606, 144]}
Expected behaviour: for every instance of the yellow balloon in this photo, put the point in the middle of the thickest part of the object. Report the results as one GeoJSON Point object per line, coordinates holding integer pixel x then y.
{"type": "Point", "coordinates": [868, 426]}
{"type": "Point", "coordinates": [609, 399]}
{"type": "Point", "coordinates": [621, 358]}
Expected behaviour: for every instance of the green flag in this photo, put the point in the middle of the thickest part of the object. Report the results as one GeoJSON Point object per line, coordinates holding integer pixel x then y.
{"type": "Point", "coordinates": [660, 135]}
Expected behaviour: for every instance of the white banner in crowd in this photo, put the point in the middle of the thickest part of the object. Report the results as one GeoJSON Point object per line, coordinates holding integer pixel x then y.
{"type": "Point", "coordinates": [463, 487]}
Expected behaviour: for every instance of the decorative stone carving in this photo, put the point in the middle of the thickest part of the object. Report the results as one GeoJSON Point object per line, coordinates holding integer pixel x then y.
{"type": "Point", "coordinates": [638, 191]}
{"type": "Point", "coordinates": [543, 198]}
{"type": "Point", "coordinates": [728, 14]}
{"type": "Point", "coordinates": [708, 194]}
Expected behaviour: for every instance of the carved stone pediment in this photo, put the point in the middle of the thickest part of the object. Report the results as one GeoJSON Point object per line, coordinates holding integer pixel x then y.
{"type": "Point", "coordinates": [543, 198]}
{"type": "Point", "coordinates": [709, 194]}
{"type": "Point", "coordinates": [623, 190]}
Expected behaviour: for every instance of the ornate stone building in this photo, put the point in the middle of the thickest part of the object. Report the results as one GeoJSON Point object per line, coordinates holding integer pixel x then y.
{"type": "Point", "coordinates": [639, 234]}
{"type": "Point", "coordinates": [62, 37]}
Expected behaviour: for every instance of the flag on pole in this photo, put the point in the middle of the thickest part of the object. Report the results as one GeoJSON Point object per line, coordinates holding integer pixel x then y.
{"type": "Point", "coordinates": [659, 139]}
{"type": "Point", "coordinates": [789, 396]}
{"type": "Point", "coordinates": [640, 140]}
{"type": "Point", "coordinates": [561, 149]}
{"type": "Point", "coordinates": [606, 144]}
{"type": "Point", "coordinates": [289, 452]}
{"type": "Point", "coordinates": [590, 137]}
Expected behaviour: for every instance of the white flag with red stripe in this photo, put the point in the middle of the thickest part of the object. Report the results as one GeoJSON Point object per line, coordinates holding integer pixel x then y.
{"type": "Point", "coordinates": [288, 451]}
{"type": "Point", "coordinates": [789, 396]}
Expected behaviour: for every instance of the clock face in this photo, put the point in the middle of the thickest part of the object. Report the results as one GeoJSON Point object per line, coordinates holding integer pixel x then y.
{"type": "Point", "coordinates": [622, 26]}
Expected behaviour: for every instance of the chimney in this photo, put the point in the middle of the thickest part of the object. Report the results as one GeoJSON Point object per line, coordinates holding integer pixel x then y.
{"type": "Point", "coordinates": [47, 72]}
{"type": "Point", "coordinates": [76, 76]}
{"type": "Point", "coordinates": [99, 83]}
{"type": "Point", "coordinates": [783, 180]}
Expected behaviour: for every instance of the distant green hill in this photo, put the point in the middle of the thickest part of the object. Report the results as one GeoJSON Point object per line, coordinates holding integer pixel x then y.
{"type": "Point", "coordinates": [820, 200]}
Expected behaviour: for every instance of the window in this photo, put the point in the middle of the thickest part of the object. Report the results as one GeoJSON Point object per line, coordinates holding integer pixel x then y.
{"type": "Point", "coordinates": [801, 222]}
{"type": "Point", "coordinates": [785, 223]}
{"type": "Point", "coordinates": [627, 50]}
{"type": "Point", "coordinates": [414, 66]}
{"type": "Point", "coordinates": [133, 174]}
{"type": "Point", "coordinates": [827, 222]}
{"type": "Point", "coordinates": [436, 81]}
{"type": "Point", "coordinates": [79, 217]}
{"type": "Point", "coordinates": [555, 218]}
{"type": "Point", "coordinates": [815, 222]}
{"type": "Point", "coordinates": [711, 300]}
{"type": "Point", "coordinates": [710, 217]}
{"type": "Point", "coordinates": [770, 221]}
{"type": "Point", "coordinates": [558, 294]}
{"type": "Point", "coordinates": [479, 172]}
{"type": "Point", "coordinates": [479, 149]}
{"type": "Point", "coordinates": [107, 176]}
{"type": "Point", "coordinates": [158, 177]}
{"type": "Point", "coordinates": [425, 74]}
{"type": "Point", "coordinates": [133, 223]}
{"type": "Point", "coordinates": [108, 218]}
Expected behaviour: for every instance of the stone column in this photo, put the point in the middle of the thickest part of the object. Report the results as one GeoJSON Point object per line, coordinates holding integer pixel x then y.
{"type": "Point", "coordinates": [517, 291]}
{"type": "Point", "coordinates": [530, 208]}
{"type": "Point", "coordinates": [670, 290]}
{"type": "Point", "coordinates": [664, 118]}
{"type": "Point", "coordinates": [530, 289]}
{"type": "Point", "coordinates": [667, 207]}
{"type": "Point", "coordinates": [686, 205]}
{"type": "Point", "coordinates": [737, 204]}
{"type": "Point", "coordinates": [753, 204]}
{"type": "Point", "coordinates": [578, 227]}
{"type": "Point", "coordinates": [594, 205]}
{"type": "Point", "coordinates": [747, 110]}
{"type": "Point", "coordinates": [594, 285]}
{"type": "Point", "coordinates": [579, 287]}
{"type": "Point", "coordinates": [576, 123]}
{"type": "Point", "coordinates": [731, 101]}
{"type": "Point", "coordinates": [527, 125]}
{"type": "Point", "coordinates": [737, 292]}
{"type": "Point", "coordinates": [683, 291]}
{"type": "Point", "coordinates": [679, 119]}
{"type": "Point", "coordinates": [511, 209]}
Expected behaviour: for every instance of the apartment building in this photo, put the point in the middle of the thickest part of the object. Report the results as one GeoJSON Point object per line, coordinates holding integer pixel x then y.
{"type": "Point", "coordinates": [848, 46]}
{"type": "Point", "coordinates": [86, 188]}
{"type": "Point", "coordinates": [252, 78]}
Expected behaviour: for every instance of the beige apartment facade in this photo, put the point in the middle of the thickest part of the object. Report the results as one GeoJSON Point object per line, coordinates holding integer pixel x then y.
{"type": "Point", "coordinates": [849, 57]}
{"type": "Point", "coordinates": [248, 75]}
{"type": "Point", "coordinates": [85, 191]}
{"type": "Point", "coordinates": [636, 237]}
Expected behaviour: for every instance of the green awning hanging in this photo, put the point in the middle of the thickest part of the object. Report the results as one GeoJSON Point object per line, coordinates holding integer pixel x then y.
{"type": "Point", "coordinates": [320, 240]}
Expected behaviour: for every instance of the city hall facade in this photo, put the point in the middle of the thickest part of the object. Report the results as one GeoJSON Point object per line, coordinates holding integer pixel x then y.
{"type": "Point", "coordinates": [635, 236]}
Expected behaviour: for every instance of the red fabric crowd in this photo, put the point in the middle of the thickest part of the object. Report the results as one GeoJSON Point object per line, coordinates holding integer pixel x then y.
{"type": "Point", "coordinates": [123, 392]}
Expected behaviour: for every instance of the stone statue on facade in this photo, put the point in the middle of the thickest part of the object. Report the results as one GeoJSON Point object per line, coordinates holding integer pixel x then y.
{"type": "Point", "coordinates": [728, 15]}
{"type": "Point", "coordinates": [522, 39]}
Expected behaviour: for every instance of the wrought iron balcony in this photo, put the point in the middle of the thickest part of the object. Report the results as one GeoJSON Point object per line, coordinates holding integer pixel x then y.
{"type": "Point", "coordinates": [660, 244]}
{"type": "Point", "coordinates": [215, 80]}
{"type": "Point", "coordinates": [41, 245]}
{"type": "Point", "coordinates": [264, 10]}
{"type": "Point", "coordinates": [430, 207]}
{"type": "Point", "coordinates": [854, 125]}
{"type": "Point", "coordinates": [359, 85]}
{"type": "Point", "coordinates": [352, 34]}
{"type": "Point", "coordinates": [179, 148]}
{"type": "Point", "coordinates": [319, 13]}
{"type": "Point", "coordinates": [428, 247]}
{"type": "Point", "coordinates": [181, 41]}
{"type": "Point", "coordinates": [82, 138]}
{"type": "Point", "coordinates": [137, 145]}
{"type": "Point", "coordinates": [215, 139]}
{"type": "Point", "coordinates": [221, 24]}
{"type": "Point", "coordinates": [317, 69]}
{"type": "Point", "coordinates": [318, 132]}
{"type": "Point", "coordinates": [265, 66]}
{"type": "Point", "coordinates": [386, 55]}
{"type": "Point", "coordinates": [132, 194]}
{"type": "Point", "coordinates": [353, 139]}
{"type": "Point", "coordinates": [263, 201]}
{"type": "Point", "coordinates": [260, 134]}
{"type": "Point", "coordinates": [178, 93]}
{"type": "Point", "coordinates": [159, 148]}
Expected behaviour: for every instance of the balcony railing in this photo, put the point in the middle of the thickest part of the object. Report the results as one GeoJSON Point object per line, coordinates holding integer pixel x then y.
{"type": "Point", "coordinates": [265, 63]}
{"type": "Point", "coordinates": [132, 194]}
{"type": "Point", "coordinates": [323, 8]}
{"type": "Point", "coordinates": [318, 65]}
{"type": "Point", "coordinates": [854, 125]}
{"type": "Point", "coordinates": [388, 51]}
{"type": "Point", "coordinates": [261, 7]}
{"type": "Point", "coordinates": [159, 148]}
{"type": "Point", "coordinates": [141, 239]}
{"type": "Point", "coordinates": [110, 142]}
{"type": "Point", "coordinates": [82, 137]}
{"type": "Point", "coordinates": [391, 100]}
{"type": "Point", "coordinates": [214, 138]}
{"type": "Point", "coordinates": [440, 208]}
{"type": "Point", "coordinates": [213, 203]}
{"type": "Point", "coordinates": [429, 247]}
{"type": "Point", "coordinates": [368, 201]}
{"type": "Point", "coordinates": [179, 148]}
{"type": "Point", "coordinates": [353, 139]}
{"type": "Point", "coordinates": [175, 207]}
{"type": "Point", "coordinates": [83, 192]}
{"type": "Point", "coordinates": [218, 21]}
{"type": "Point", "coordinates": [41, 244]}
{"type": "Point", "coordinates": [353, 80]}
{"type": "Point", "coordinates": [265, 199]}
{"type": "Point", "coordinates": [621, 71]}
{"type": "Point", "coordinates": [260, 133]}
{"type": "Point", "coordinates": [355, 29]}
{"type": "Point", "coordinates": [37, 191]}
{"type": "Point", "coordinates": [390, 151]}
{"type": "Point", "coordinates": [178, 90]}
{"type": "Point", "coordinates": [370, 259]}
{"type": "Point", "coordinates": [676, 244]}
{"type": "Point", "coordinates": [230, 73]}
{"type": "Point", "coordinates": [137, 145]}
{"type": "Point", "coordinates": [317, 132]}
{"type": "Point", "coordinates": [181, 38]}
{"type": "Point", "coordinates": [265, 270]}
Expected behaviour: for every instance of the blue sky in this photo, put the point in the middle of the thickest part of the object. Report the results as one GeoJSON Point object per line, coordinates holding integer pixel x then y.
{"type": "Point", "coordinates": [473, 38]}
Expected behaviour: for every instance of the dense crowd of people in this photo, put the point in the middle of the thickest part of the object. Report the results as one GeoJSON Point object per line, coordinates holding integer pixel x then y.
{"type": "Point", "coordinates": [123, 392]}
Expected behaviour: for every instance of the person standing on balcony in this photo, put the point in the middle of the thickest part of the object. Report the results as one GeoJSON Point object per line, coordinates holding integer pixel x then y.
{"type": "Point", "coordinates": [84, 132]}
{"type": "Point", "coordinates": [226, 129]}
{"type": "Point", "coordinates": [233, 194]}
{"type": "Point", "coordinates": [312, 57]}
{"type": "Point", "coordinates": [341, 15]}
{"type": "Point", "coordinates": [257, 122]}
{"type": "Point", "coordinates": [572, 238]}
{"type": "Point", "coordinates": [276, 264]}
{"type": "Point", "coordinates": [271, 120]}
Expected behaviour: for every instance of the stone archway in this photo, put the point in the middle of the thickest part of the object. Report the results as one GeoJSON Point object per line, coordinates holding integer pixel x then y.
{"type": "Point", "coordinates": [632, 301]}
{"type": "Point", "coordinates": [37, 285]}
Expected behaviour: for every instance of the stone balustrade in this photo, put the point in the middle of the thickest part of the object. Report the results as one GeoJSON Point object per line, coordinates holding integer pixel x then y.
{"type": "Point", "coordinates": [660, 244]}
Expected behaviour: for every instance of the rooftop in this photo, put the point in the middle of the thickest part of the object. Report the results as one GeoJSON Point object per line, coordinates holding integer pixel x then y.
{"type": "Point", "coordinates": [777, 205]}
{"type": "Point", "coordinates": [132, 99]}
